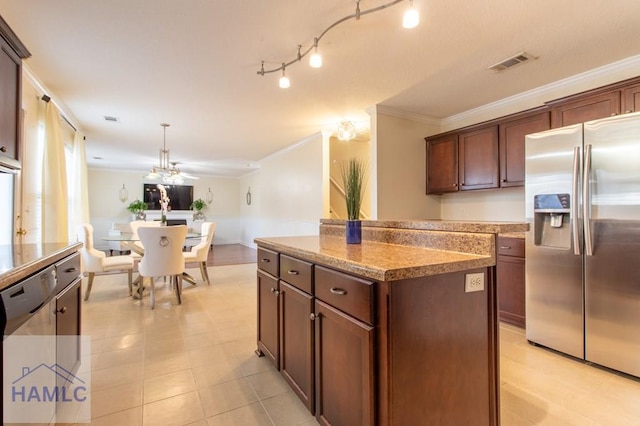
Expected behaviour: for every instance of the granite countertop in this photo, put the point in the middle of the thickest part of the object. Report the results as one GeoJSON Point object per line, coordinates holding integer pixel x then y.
{"type": "Point", "coordinates": [21, 260]}
{"type": "Point", "coordinates": [441, 225]}
{"type": "Point", "coordinates": [521, 235]}
{"type": "Point", "coordinates": [383, 261]}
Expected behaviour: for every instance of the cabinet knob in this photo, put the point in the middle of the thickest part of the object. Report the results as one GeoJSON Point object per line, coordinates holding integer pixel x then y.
{"type": "Point", "coordinates": [505, 247]}
{"type": "Point", "coordinates": [312, 317]}
{"type": "Point", "coordinates": [292, 272]}
{"type": "Point", "coordinates": [3, 148]}
{"type": "Point", "coordinates": [338, 291]}
{"type": "Point", "coordinates": [265, 260]}
{"type": "Point", "coordinates": [614, 113]}
{"type": "Point", "coordinates": [628, 111]}
{"type": "Point", "coordinates": [455, 184]}
{"type": "Point", "coordinates": [61, 310]}
{"type": "Point", "coordinates": [504, 180]}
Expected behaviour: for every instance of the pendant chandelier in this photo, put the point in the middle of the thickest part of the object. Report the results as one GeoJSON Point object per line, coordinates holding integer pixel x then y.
{"type": "Point", "coordinates": [167, 170]}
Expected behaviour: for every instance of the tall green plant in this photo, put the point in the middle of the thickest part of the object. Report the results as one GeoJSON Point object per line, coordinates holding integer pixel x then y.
{"type": "Point", "coordinates": [354, 180]}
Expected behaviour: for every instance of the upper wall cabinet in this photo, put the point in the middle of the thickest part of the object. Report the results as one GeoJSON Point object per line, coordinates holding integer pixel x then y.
{"type": "Point", "coordinates": [12, 51]}
{"type": "Point", "coordinates": [442, 164]}
{"type": "Point", "coordinates": [631, 99]}
{"type": "Point", "coordinates": [512, 136]}
{"type": "Point", "coordinates": [478, 159]}
{"type": "Point", "coordinates": [585, 108]}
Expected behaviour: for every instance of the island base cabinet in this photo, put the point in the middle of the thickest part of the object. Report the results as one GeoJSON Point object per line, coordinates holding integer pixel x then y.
{"type": "Point", "coordinates": [442, 360]}
{"type": "Point", "coordinates": [268, 333]}
{"type": "Point", "coordinates": [296, 342]}
{"type": "Point", "coordinates": [344, 368]}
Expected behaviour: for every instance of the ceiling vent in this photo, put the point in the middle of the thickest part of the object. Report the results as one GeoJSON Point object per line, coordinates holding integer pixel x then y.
{"type": "Point", "coordinates": [111, 119]}
{"type": "Point", "coordinates": [512, 61]}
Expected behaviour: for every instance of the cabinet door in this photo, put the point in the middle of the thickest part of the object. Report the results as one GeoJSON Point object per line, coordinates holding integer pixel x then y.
{"type": "Point", "coordinates": [296, 342]}
{"type": "Point", "coordinates": [68, 309]}
{"type": "Point", "coordinates": [478, 159]}
{"type": "Point", "coordinates": [631, 99]}
{"type": "Point", "coordinates": [585, 108]}
{"type": "Point", "coordinates": [442, 164]}
{"type": "Point", "coordinates": [10, 86]}
{"type": "Point", "coordinates": [344, 368]}
{"type": "Point", "coordinates": [511, 289]}
{"type": "Point", "coordinates": [268, 318]}
{"type": "Point", "coordinates": [512, 138]}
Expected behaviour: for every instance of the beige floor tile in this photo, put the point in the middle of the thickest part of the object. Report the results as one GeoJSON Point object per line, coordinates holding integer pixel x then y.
{"type": "Point", "coordinates": [127, 341]}
{"type": "Point", "coordinates": [130, 417]}
{"type": "Point", "coordinates": [161, 387]}
{"type": "Point", "coordinates": [114, 399]}
{"type": "Point", "coordinates": [215, 373]}
{"type": "Point", "coordinates": [117, 358]}
{"type": "Point", "coordinates": [177, 410]}
{"type": "Point", "coordinates": [287, 409]}
{"type": "Point", "coordinates": [226, 396]}
{"type": "Point", "coordinates": [115, 376]}
{"type": "Point", "coordinates": [253, 414]}
{"type": "Point", "coordinates": [160, 365]}
{"type": "Point", "coordinates": [268, 383]}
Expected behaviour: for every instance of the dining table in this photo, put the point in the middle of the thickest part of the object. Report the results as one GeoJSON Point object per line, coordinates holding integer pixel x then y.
{"type": "Point", "coordinates": [132, 242]}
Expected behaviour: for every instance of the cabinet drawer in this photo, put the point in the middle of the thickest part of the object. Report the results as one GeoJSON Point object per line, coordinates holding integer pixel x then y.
{"type": "Point", "coordinates": [268, 261]}
{"type": "Point", "coordinates": [67, 270]}
{"type": "Point", "coordinates": [297, 272]}
{"type": "Point", "coordinates": [511, 246]}
{"type": "Point", "coordinates": [351, 295]}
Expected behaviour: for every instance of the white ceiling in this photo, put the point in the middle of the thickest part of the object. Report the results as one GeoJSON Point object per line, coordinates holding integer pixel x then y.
{"type": "Point", "coordinates": [194, 63]}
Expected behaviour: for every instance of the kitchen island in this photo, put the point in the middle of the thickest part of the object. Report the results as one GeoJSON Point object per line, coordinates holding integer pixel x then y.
{"type": "Point", "coordinates": [401, 329]}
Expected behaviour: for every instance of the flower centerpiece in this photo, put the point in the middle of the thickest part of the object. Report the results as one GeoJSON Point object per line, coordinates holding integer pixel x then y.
{"type": "Point", "coordinates": [164, 204]}
{"type": "Point", "coordinates": [137, 208]}
{"type": "Point", "coordinates": [353, 179]}
{"type": "Point", "coordinates": [197, 206]}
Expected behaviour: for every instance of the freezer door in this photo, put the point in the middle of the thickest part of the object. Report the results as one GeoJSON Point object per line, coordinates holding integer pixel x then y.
{"type": "Point", "coordinates": [612, 272]}
{"type": "Point", "coordinates": [554, 291]}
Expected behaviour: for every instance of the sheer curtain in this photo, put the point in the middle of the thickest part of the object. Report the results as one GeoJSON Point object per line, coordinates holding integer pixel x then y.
{"type": "Point", "coordinates": [54, 180]}
{"type": "Point", "coordinates": [78, 190]}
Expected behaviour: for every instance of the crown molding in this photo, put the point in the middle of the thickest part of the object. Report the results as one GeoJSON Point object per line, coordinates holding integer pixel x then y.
{"type": "Point", "coordinates": [413, 116]}
{"type": "Point", "coordinates": [570, 85]}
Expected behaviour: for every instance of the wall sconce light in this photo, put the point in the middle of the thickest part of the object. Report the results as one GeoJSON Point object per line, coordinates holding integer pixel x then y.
{"type": "Point", "coordinates": [123, 194]}
{"type": "Point", "coordinates": [346, 131]}
{"type": "Point", "coordinates": [208, 197]}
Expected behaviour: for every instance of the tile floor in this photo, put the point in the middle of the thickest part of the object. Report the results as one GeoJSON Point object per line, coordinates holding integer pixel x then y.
{"type": "Point", "coordinates": [195, 364]}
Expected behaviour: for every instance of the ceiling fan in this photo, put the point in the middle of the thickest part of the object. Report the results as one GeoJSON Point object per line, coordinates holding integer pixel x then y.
{"type": "Point", "coordinates": [167, 170]}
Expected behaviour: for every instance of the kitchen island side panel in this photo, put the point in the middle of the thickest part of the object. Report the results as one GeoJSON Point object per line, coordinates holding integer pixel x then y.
{"type": "Point", "coordinates": [443, 351]}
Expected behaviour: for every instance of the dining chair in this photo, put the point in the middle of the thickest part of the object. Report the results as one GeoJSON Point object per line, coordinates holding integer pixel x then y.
{"type": "Point", "coordinates": [94, 260]}
{"type": "Point", "coordinates": [162, 257]}
{"type": "Point", "coordinates": [135, 240]}
{"type": "Point", "coordinates": [200, 251]}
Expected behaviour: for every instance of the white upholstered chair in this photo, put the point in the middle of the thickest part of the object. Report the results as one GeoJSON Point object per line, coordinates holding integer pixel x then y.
{"type": "Point", "coordinates": [162, 256]}
{"type": "Point", "coordinates": [94, 260]}
{"type": "Point", "coordinates": [134, 226]}
{"type": "Point", "coordinates": [200, 252]}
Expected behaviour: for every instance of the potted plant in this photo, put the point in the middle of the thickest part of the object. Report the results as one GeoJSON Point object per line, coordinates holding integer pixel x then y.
{"type": "Point", "coordinates": [353, 179]}
{"type": "Point", "coordinates": [198, 205]}
{"type": "Point", "coordinates": [137, 208]}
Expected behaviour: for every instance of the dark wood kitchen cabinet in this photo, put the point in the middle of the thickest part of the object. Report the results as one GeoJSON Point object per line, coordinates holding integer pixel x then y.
{"type": "Point", "coordinates": [512, 133]}
{"type": "Point", "coordinates": [12, 51]}
{"type": "Point", "coordinates": [344, 378]}
{"type": "Point", "coordinates": [511, 281]}
{"type": "Point", "coordinates": [631, 99]}
{"type": "Point", "coordinates": [296, 342]}
{"type": "Point", "coordinates": [442, 164]}
{"type": "Point", "coordinates": [478, 159]}
{"type": "Point", "coordinates": [583, 108]}
{"type": "Point", "coordinates": [268, 306]}
{"type": "Point", "coordinates": [463, 161]}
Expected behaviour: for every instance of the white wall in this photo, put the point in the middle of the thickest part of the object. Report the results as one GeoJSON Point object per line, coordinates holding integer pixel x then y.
{"type": "Point", "coordinates": [287, 193]}
{"type": "Point", "coordinates": [400, 150]}
{"type": "Point", "coordinates": [105, 207]}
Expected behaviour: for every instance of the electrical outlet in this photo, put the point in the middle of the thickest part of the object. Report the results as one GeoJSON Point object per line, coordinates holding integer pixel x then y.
{"type": "Point", "coordinates": [473, 282]}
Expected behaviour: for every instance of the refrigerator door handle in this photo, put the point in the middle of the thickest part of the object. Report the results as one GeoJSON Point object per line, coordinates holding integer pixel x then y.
{"type": "Point", "coordinates": [575, 229]}
{"type": "Point", "coordinates": [586, 204]}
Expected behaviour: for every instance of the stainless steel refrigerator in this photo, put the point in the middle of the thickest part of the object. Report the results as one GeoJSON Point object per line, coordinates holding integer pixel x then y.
{"type": "Point", "coordinates": [583, 248]}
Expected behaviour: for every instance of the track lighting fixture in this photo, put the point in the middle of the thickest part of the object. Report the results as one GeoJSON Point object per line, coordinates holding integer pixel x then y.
{"type": "Point", "coordinates": [284, 80]}
{"type": "Point", "coordinates": [410, 20]}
